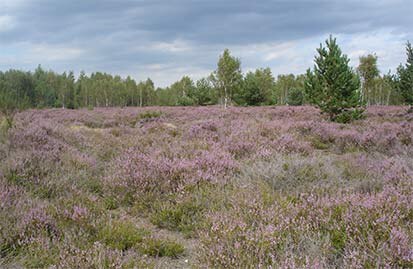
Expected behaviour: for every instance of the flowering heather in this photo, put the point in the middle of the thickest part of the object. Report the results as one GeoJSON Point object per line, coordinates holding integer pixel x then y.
{"type": "Point", "coordinates": [258, 187]}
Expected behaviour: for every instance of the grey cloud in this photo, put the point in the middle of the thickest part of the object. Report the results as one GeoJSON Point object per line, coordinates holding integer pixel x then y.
{"type": "Point", "coordinates": [117, 36]}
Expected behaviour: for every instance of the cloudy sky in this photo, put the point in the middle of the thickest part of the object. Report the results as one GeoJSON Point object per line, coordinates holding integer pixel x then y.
{"type": "Point", "coordinates": [166, 39]}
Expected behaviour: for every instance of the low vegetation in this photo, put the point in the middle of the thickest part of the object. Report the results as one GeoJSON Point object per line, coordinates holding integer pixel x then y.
{"type": "Point", "coordinates": [207, 188]}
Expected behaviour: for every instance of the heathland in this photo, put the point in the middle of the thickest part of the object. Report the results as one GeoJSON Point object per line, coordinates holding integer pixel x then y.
{"type": "Point", "coordinates": [182, 187]}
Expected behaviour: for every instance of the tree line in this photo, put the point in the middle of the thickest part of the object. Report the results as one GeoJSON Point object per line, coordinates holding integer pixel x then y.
{"type": "Point", "coordinates": [227, 85]}
{"type": "Point", "coordinates": [46, 88]}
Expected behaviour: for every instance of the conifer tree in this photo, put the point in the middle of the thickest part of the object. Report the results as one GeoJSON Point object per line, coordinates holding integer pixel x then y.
{"type": "Point", "coordinates": [333, 86]}
{"type": "Point", "coordinates": [406, 77]}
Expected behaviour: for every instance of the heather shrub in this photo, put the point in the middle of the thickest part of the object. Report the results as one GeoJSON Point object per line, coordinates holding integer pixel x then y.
{"type": "Point", "coordinates": [293, 173]}
{"type": "Point", "coordinates": [166, 172]}
{"type": "Point", "coordinates": [30, 172]}
{"type": "Point", "coordinates": [25, 226]}
{"type": "Point", "coordinates": [240, 148]}
{"type": "Point", "coordinates": [39, 254]}
{"type": "Point", "coordinates": [388, 138]}
{"type": "Point", "coordinates": [257, 187]}
{"type": "Point", "coordinates": [93, 185]}
{"type": "Point", "coordinates": [98, 256]}
{"type": "Point", "coordinates": [288, 144]}
{"type": "Point", "coordinates": [37, 223]}
{"type": "Point", "coordinates": [259, 235]}
{"type": "Point", "coordinates": [204, 129]}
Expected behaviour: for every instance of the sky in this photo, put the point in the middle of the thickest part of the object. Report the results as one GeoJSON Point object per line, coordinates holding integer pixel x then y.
{"type": "Point", "coordinates": [167, 39]}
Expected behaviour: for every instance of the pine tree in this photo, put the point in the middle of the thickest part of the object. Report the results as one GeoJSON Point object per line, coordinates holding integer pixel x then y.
{"type": "Point", "coordinates": [333, 86]}
{"type": "Point", "coordinates": [406, 77]}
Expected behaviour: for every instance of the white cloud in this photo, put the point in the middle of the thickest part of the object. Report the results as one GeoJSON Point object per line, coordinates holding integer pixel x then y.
{"type": "Point", "coordinates": [50, 53]}
{"type": "Point", "coordinates": [174, 46]}
{"type": "Point", "coordinates": [283, 50]}
{"type": "Point", "coordinates": [283, 57]}
{"type": "Point", "coordinates": [387, 44]}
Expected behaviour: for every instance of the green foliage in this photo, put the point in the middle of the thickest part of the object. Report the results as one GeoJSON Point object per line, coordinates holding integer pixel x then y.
{"type": "Point", "coordinates": [368, 71]}
{"type": "Point", "coordinates": [150, 114]}
{"type": "Point", "coordinates": [228, 77]}
{"type": "Point", "coordinates": [161, 248]}
{"type": "Point", "coordinates": [93, 185]}
{"type": "Point", "coordinates": [338, 239]}
{"type": "Point", "coordinates": [376, 89]}
{"type": "Point", "coordinates": [183, 217]}
{"type": "Point", "coordinates": [110, 203]}
{"type": "Point", "coordinates": [185, 101]}
{"type": "Point", "coordinates": [15, 89]}
{"type": "Point", "coordinates": [285, 84]}
{"type": "Point", "coordinates": [405, 74]}
{"type": "Point", "coordinates": [145, 116]}
{"type": "Point", "coordinates": [332, 85]}
{"type": "Point", "coordinates": [257, 88]}
{"type": "Point", "coordinates": [121, 235]}
{"type": "Point", "coordinates": [348, 116]}
{"type": "Point", "coordinates": [295, 97]}
{"type": "Point", "coordinates": [204, 92]}
{"type": "Point", "coordinates": [39, 257]}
